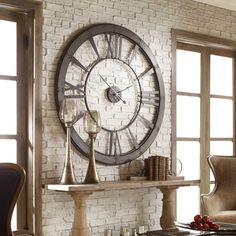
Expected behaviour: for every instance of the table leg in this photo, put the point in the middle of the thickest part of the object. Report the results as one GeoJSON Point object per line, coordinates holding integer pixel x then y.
{"type": "Point", "coordinates": [80, 226]}
{"type": "Point", "coordinates": [168, 217]}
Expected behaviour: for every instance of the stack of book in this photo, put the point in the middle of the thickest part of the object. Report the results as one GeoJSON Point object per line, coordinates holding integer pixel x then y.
{"type": "Point", "coordinates": [157, 167]}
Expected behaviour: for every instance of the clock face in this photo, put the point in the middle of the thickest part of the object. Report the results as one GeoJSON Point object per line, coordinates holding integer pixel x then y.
{"type": "Point", "coordinates": [111, 70]}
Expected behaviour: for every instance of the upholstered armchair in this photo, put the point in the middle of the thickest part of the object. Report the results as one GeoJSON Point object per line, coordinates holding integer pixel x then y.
{"type": "Point", "coordinates": [220, 204]}
{"type": "Point", "coordinates": [12, 179]}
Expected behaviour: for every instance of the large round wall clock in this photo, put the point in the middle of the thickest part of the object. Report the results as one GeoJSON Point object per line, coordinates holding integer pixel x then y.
{"type": "Point", "coordinates": [111, 70]}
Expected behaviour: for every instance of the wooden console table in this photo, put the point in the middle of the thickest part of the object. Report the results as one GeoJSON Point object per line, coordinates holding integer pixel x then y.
{"type": "Point", "coordinates": [81, 192]}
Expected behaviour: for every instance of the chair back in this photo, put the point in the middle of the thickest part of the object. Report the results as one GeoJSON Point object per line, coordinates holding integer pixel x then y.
{"type": "Point", "coordinates": [12, 178]}
{"type": "Point", "coordinates": [224, 170]}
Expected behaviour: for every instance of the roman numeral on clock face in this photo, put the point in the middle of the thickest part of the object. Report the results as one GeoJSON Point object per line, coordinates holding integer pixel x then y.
{"type": "Point", "coordinates": [108, 38]}
{"type": "Point", "coordinates": [114, 144]}
{"type": "Point", "coordinates": [77, 90]}
{"type": "Point", "coordinates": [118, 46]}
{"type": "Point", "coordinates": [114, 45]}
{"type": "Point", "coordinates": [150, 97]}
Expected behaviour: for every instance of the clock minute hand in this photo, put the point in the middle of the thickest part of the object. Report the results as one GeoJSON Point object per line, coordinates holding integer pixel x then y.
{"type": "Point", "coordinates": [115, 93]}
{"type": "Point", "coordinates": [106, 82]}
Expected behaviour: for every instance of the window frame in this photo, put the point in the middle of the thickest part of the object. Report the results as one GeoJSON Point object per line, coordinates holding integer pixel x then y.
{"type": "Point", "coordinates": [29, 15]}
{"type": "Point", "coordinates": [206, 45]}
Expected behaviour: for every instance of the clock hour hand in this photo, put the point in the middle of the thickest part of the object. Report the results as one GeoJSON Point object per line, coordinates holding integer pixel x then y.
{"type": "Point", "coordinates": [115, 92]}
{"type": "Point", "coordinates": [125, 89]}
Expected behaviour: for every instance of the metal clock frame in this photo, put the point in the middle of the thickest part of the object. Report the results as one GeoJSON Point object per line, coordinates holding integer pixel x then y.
{"type": "Point", "coordinates": [76, 42]}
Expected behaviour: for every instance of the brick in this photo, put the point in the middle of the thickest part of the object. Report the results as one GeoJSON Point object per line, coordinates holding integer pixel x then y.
{"type": "Point", "coordinates": [120, 20]}
{"type": "Point", "coordinates": [54, 7]}
{"type": "Point", "coordinates": [112, 11]}
{"type": "Point", "coordinates": [135, 9]}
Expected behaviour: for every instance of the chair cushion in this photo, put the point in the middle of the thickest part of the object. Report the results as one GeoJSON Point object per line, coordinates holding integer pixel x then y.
{"type": "Point", "coordinates": [224, 216]}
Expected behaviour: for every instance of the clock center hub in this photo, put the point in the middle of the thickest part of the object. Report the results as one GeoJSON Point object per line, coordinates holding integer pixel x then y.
{"type": "Point", "coordinates": [113, 94]}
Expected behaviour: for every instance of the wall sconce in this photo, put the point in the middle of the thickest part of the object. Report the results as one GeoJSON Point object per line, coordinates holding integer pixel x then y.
{"type": "Point", "coordinates": [70, 110]}
{"type": "Point", "coordinates": [92, 125]}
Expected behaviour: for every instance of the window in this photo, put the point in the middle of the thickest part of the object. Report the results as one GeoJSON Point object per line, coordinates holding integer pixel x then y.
{"type": "Point", "coordinates": [8, 82]}
{"type": "Point", "coordinates": [13, 103]}
{"type": "Point", "coordinates": [18, 89]}
{"type": "Point", "coordinates": [202, 112]}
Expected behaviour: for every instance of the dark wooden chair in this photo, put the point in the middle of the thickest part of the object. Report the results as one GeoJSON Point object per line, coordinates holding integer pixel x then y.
{"type": "Point", "coordinates": [12, 179]}
{"type": "Point", "coordinates": [220, 204]}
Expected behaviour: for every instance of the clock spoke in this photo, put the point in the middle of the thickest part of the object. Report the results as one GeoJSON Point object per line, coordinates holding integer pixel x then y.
{"type": "Point", "coordinates": [110, 143]}
{"type": "Point", "coordinates": [148, 71]}
{"type": "Point", "coordinates": [147, 123]}
{"type": "Point", "coordinates": [132, 138]}
{"type": "Point", "coordinates": [75, 96]}
{"type": "Point", "coordinates": [91, 40]}
{"type": "Point", "coordinates": [117, 145]}
{"type": "Point", "coordinates": [77, 63]}
{"type": "Point", "coordinates": [132, 54]}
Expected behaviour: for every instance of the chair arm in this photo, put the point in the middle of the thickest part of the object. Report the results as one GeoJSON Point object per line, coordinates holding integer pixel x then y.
{"type": "Point", "coordinates": [211, 203]}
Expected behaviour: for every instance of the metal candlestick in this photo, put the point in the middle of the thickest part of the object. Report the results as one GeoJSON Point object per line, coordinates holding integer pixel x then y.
{"type": "Point", "coordinates": [68, 176]}
{"type": "Point", "coordinates": [91, 176]}
{"type": "Point", "coordinates": [92, 125]}
{"type": "Point", "coordinates": [69, 113]}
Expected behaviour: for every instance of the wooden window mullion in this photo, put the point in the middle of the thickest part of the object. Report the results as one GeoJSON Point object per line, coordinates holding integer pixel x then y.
{"type": "Point", "coordinates": [205, 122]}
{"type": "Point", "coordinates": [22, 108]}
{"type": "Point", "coordinates": [234, 104]}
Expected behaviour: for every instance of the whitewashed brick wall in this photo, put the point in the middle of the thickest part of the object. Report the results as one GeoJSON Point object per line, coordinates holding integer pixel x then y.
{"type": "Point", "coordinates": [152, 20]}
